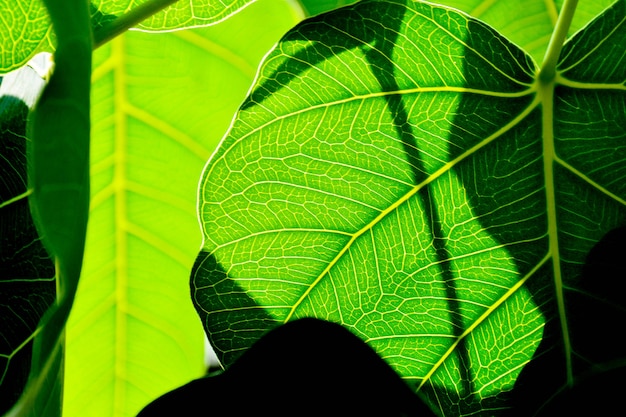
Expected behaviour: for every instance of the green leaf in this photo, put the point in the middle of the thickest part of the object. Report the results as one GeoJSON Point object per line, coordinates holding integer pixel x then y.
{"type": "Point", "coordinates": [27, 275]}
{"type": "Point", "coordinates": [586, 11]}
{"type": "Point", "coordinates": [315, 7]}
{"type": "Point", "coordinates": [178, 15]}
{"type": "Point", "coordinates": [400, 169]}
{"type": "Point", "coordinates": [528, 24]}
{"type": "Point", "coordinates": [26, 29]}
{"type": "Point", "coordinates": [161, 103]}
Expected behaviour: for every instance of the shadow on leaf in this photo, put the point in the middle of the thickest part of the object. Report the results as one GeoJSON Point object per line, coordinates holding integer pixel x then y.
{"type": "Point", "coordinates": [231, 330]}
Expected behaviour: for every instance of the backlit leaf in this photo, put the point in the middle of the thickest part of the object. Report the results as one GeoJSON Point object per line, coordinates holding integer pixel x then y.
{"type": "Point", "coordinates": [400, 169]}
{"type": "Point", "coordinates": [161, 102]}
{"type": "Point", "coordinates": [26, 27]}
{"type": "Point", "coordinates": [528, 24]}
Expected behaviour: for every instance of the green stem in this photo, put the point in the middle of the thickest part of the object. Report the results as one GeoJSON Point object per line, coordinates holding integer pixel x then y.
{"type": "Point", "coordinates": [129, 20]}
{"type": "Point", "coordinates": [547, 75]}
{"type": "Point", "coordinates": [548, 68]}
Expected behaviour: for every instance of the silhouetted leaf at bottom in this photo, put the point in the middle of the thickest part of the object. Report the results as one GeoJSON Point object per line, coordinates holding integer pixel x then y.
{"type": "Point", "coordinates": [597, 308]}
{"type": "Point", "coordinates": [597, 319]}
{"type": "Point", "coordinates": [305, 367]}
{"type": "Point", "coordinates": [600, 394]}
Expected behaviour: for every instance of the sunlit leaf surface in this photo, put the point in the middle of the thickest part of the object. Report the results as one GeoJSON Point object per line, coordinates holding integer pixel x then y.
{"type": "Point", "coordinates": [26, 29]}
{"type": "Point", "coordinates": [161, 102]}
{"type": "Point", "coordinates": [528, 24]}
{"type": "Point", "coordinates": [178, 15]}
{"type": "Point", "coordinates": [399, 169]}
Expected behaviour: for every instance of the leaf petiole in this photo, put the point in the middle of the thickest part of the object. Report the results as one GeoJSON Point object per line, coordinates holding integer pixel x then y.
{"type": "Point", "coordinates": [128, 20]}
{"type": "Point", "coordinates": [548, 68]}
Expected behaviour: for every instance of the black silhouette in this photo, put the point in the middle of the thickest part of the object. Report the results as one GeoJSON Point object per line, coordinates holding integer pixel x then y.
{"type": "Point", "coordinates": [307, 367]}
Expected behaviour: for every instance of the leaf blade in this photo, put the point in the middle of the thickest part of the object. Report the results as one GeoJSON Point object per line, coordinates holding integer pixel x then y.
{"type": "Point", "coordinates": [161, 102]}
{"type": "Point", "coordinates": [358, 188]}
{"type": "Point", "coordinates": [29, 32]}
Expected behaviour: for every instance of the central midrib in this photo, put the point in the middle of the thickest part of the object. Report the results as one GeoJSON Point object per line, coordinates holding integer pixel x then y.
{"type": "Point", "coordinates": [120, 222]}
{"type": "Point", "coordinates": [549, 159]}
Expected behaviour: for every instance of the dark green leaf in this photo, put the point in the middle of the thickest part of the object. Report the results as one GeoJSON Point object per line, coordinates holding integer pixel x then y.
{"type": "Point", "coordinates": [27, 276]}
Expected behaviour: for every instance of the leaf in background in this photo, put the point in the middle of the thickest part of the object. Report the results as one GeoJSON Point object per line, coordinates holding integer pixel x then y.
{"type": "Point", "coordinates": [398, 169]}
{"type": "Point", "coordinates": [27, 276]}
{"type": "Point", "coordinates": [178, 15]}
{"type": "Point", "coordinates": [26, 26]}
{"type": "Point", "coordinates": [586, 11]}
{"type": "Point", "coordinates": [161, 102]}
{"type": "Point", "coordinates": [315, 7]}
{"type": "Point", "coordinates": [528, 24]}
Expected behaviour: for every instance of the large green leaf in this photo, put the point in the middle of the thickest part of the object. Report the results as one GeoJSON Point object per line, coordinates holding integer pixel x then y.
{"type": "Point", "coordinates": [26, 27]}
{"type": "Point", "coordinates": [400, 168]}
{"type": "Point", "coordinates": [161, 102]}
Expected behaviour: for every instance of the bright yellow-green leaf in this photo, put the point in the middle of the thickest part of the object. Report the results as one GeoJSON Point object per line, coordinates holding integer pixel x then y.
{"type": "Point", "coordinates": [528, 24]}
{"type": "Point", "coordinates": [161, 102]}
{"type": "Point", "coordinates": [406, 171]}
{"type": "Point", "coordinates": [585, 12]}
{"type": "Point", "coordinates": [177, 14]}
{"type": "Point", "coordinates": [25, 31]}
{"type": "Point", "coordinates": [25, 28]}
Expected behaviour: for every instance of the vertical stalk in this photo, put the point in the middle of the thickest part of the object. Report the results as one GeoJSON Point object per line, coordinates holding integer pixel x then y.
{"type": "Point", "coordinates": [546, 77]}
{"type": "Point", "coordinates": [129, 20]}
{"type": "Point", "coordinates": [548, 68]}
